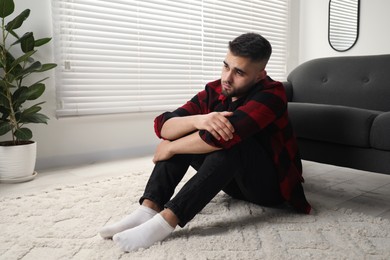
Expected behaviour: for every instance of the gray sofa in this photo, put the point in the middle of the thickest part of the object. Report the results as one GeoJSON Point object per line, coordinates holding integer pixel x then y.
{"type": "Point", "coordinates": [340, 111]}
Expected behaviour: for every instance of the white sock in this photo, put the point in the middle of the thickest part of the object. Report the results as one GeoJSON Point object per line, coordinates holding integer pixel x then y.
{"type": "Point", "coordinates": [145, 235]}
{"type": "Point", "coordinates": [139, 216]}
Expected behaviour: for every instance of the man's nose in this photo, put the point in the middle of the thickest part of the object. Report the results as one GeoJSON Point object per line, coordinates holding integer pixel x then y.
{"type": "Point", "coordinates": [229, 76]}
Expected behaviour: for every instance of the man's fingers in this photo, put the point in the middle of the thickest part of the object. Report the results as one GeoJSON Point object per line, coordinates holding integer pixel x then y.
{"type": "Point", "coordinates": [218, 125]}
{"type": "Point", "coordinates": [226, 113]}
{"type": "Point", "coordinates": [226, 134]}
{"type": "Point", "coordinates": [222, 126]}
{"type": "Point", "coordinates": [225, 121]}
{"type": "Point", "coordinates": [227, 127]}
{"type": "Point", "coordinates": [215, 134]}
{"type": "Point", "coordinates": [221, 130]}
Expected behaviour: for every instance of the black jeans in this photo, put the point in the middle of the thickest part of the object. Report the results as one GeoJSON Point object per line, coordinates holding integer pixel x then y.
{"type": "Point", "coordinates": [244, 172]}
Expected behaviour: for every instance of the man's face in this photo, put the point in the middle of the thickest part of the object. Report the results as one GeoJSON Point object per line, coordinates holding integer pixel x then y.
{"type": "Point", "coordinates": [239, 74]}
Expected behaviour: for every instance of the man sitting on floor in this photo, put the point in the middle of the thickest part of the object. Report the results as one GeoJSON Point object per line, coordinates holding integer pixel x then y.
{"type": "Point", "coordinates": [237, 135]}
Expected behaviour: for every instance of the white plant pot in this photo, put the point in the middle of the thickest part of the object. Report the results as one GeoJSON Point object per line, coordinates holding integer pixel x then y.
{"type": "Point", "coordinates": [17, 162]}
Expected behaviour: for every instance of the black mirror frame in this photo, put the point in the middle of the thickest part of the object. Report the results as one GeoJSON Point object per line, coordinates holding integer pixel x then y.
{"type": "Point", "coordinates": [357, 28]}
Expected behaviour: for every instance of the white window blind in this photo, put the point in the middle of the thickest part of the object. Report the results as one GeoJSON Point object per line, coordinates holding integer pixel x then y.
{"type": "Point", "coordinates": [120, 56]}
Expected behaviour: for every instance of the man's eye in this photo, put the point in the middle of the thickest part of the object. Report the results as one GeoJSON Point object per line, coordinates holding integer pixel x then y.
{"type": "Point", "coordinates": [239, 72]}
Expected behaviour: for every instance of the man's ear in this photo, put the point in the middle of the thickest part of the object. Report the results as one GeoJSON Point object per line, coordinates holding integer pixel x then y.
{"type": "Point", "coordinates": [261, 75]}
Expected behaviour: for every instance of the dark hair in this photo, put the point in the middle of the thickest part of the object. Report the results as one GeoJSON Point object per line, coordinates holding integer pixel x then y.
{"type": "Point", "coordinates": [251, 45]}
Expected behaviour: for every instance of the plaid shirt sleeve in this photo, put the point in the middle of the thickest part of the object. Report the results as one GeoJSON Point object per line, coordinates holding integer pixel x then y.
{"type": "Point", "coordinates": [197, 105]}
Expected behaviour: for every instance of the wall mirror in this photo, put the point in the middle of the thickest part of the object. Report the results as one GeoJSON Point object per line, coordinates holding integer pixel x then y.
{"type": "Point", "coordinates": [343, 28]}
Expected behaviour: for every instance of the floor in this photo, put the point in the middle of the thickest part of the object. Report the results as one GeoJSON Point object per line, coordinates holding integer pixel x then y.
{"type": "Point", "coordinates": [330, 186]}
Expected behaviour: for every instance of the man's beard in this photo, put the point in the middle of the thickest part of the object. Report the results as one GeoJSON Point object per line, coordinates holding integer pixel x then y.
{"type": "Point", "coordinates": [233, 92]}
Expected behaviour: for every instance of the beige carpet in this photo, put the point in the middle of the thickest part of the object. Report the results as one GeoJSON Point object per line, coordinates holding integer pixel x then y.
{"type": "Point", "coordinates": [62, 223]}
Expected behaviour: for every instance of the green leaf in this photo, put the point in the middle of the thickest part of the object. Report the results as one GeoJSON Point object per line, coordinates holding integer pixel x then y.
{"type": "Point", "coordinates": [15, 70]}
{"type": "Point", "coordinates": [7, 7]}
{"type": "Point", "coordinates": [5, 127]}
{"type": "Point", "coordinates": [8, 57]}
{"type": "Point", "coordinates": [4, 101]}
{"type": "Point", "coordinates": [14, 34]}
{"type": "Point", "coordinates": [23, 134]}
{"type": "Point", "coordinates": [31, 110]}
{"type": "Point", "coordinates": [23, 58]}
{"type": "Point", "coordinates": [46, 66]}
{"type": "Point", "coordinates": [33, 67]}
{"type": "Point", "coordinates": [41, 80]}
{"type": "Point", "coordinates": [23, 94]}
{"type": "Point", "coordinates": [4, 111]}
{"type": "Point", "coordinates": [35, 91]}
{"type": "Point", "coordinates": [17, 21]}
{"type": "Point", "coordinates": [6, 87]}
{"type": "Point", "coordinates": [42, 41]}
{"type": "Point", "coordinates": [19, 40]}
{"type": "Point", "coordinates": [20, 96]}
{"type": "Point", "coordinates": [36, 118]}
{"type": "Point", "coordinates": [27, 42]}
{"type": "Point", "coordinates": [11, 76]}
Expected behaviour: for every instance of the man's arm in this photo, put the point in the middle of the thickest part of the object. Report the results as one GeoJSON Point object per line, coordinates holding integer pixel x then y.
{"type": "Point", "coordinates": [216, 123]}
{"type": "Point", "coordinates": [189, 144]}
{"type": "Point", "coordinates": [177, 127]}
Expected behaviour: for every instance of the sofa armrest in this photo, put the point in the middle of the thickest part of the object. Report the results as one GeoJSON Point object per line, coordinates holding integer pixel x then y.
{"type": "Point", "coordinates": [289, 90]}
{"type": "Point", "coordinates": [380, 132]}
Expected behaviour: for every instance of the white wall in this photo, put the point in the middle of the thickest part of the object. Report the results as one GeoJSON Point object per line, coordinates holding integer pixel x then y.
{"type": "Point", "coordinates": [374, 36]}
{"type": "Point", "coordinates": [71, 141]}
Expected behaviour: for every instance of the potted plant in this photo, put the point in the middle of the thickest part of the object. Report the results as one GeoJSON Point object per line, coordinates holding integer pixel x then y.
{"type": "Point", "coordinates": [18, 155]}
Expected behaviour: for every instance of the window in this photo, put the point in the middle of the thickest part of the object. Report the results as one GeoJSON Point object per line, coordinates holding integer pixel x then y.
{"type": "Point", "coordinates": [120, 56]}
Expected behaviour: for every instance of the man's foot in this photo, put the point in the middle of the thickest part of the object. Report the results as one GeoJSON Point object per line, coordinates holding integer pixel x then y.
{"type": "Point", "coordinates": [144, 235]}
{"type": "Point", "coordinates": [139, 216]}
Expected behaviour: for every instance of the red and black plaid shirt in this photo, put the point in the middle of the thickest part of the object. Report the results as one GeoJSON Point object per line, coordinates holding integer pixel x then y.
{"type": "Point", "coordinates": [261, 114]}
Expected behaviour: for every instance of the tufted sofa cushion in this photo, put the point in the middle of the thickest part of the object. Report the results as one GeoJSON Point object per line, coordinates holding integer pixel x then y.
{"type": "Point", "coordinates": [380, 132]}
{"type": "Point", "coordinates": [335, 124]}
{"type": "Point", "coordinates": [354, 81]}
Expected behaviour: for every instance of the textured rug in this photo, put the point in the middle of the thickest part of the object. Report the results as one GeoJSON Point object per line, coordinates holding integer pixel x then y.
{"type": "Point", "coordinates": [62, 223]}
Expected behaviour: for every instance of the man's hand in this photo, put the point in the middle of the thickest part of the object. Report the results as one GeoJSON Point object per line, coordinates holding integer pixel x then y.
{"type": "Point", "coordinates": [217, 124]}
{"type": "Point", "coordinates": [163, 151]}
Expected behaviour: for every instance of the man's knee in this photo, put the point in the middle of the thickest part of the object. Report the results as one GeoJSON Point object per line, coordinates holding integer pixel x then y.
{"type": "Point", "coordinates": [247, 152]}
{"type": "Point", "coordinates": [226, 156]}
